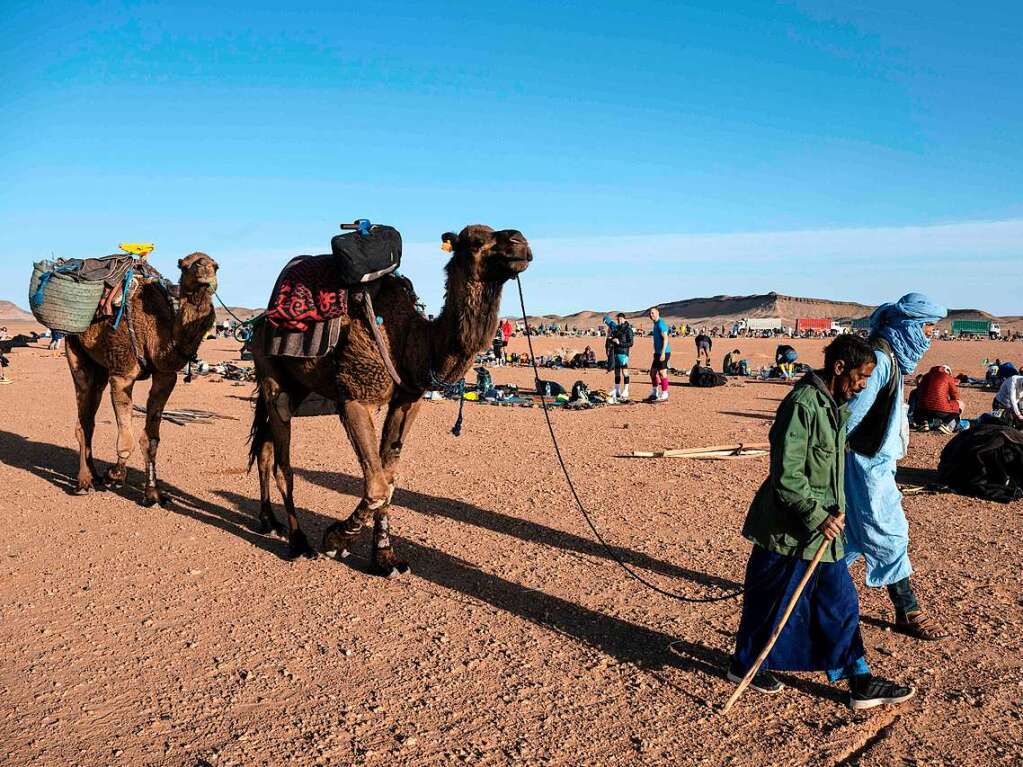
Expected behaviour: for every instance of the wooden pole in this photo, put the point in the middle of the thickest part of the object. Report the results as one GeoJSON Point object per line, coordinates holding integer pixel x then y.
{"type": "Point", "coordinates": [777, 629]}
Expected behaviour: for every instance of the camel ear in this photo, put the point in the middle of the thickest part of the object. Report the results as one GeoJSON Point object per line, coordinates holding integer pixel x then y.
{"type": "Point", "coordinates": [448, 241]}
{"type": "Point", "coordinates": [181, 263]}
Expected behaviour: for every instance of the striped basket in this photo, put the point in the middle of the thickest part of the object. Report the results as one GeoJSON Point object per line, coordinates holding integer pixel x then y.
{"type": "Point", "coordinates": [64, 303]}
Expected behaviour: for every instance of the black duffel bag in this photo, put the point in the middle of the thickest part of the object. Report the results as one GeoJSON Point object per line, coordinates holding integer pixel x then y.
{"type": "Point", "coordinates": [985, 461]}
{"type": "Point", "coordinates": [366, 257]}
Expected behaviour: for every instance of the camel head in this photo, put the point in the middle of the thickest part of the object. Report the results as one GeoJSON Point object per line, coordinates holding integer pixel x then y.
{"type": "Point", "coordinates": [198, 276]}
{"type": "Point", "coordinates": [484, 255]}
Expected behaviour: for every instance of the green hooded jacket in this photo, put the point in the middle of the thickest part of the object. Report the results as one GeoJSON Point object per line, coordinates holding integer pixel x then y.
{"type": "Point", "coordinates": [807, 479]}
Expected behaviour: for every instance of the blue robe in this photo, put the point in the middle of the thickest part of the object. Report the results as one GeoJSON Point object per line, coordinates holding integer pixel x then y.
{"type": "Point", "coordinates": [876, 526]}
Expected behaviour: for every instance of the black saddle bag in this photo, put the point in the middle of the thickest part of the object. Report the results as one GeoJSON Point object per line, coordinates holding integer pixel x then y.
{"type": "Point", "coordinates": [363, 258]}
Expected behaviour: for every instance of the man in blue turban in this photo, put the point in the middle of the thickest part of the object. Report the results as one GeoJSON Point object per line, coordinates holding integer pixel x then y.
{"type": "Point", "coordinates": [876, 526]}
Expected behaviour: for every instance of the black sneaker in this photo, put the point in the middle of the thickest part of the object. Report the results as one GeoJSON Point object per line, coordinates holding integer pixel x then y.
{"type": "Point", "coordinates": [867, 691]}
{"type": "Point", "coordinates": [764, 681]}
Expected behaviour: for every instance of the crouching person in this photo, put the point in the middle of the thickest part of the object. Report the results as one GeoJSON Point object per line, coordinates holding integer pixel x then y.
{"type": "Point", "coordinates": [800, 506]}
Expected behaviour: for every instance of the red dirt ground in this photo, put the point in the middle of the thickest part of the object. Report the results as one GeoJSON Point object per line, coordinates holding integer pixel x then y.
{"type": "Point", "coordinates": [177, 636]}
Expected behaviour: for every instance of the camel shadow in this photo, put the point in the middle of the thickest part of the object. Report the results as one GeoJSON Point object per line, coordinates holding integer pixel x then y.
{"type": "Point", "coordinates": [621, 639]}
{"type": "Point", "coordinates": [505, 524]}
{"type": "Point", "coordinates": [59, 466]}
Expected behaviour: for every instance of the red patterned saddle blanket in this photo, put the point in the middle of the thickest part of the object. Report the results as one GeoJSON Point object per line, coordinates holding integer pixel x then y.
{"type": "Point", "coordinates": [308, 291]}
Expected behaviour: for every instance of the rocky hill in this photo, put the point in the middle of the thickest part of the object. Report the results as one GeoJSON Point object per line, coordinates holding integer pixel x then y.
{"type": "Point", "coordinates": [11, 312]}
{"type": "Point", "coordinates": [723, 310]}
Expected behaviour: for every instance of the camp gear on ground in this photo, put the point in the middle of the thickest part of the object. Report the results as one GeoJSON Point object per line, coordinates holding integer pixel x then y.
{"type": "Point", "coordinates": [580, 391]}
{"type": "Point", "coordinates": [986, 462]}
{"type": "Point", "coordinates": [902, 325]}
{"type": "Point", "coordinates": [366, 254]}
{"type": "Point", "coordinates": [550, 389]}
{"type": "Point", "coordinates": [704, 376]}
{"type": "Point", "coordinates": [805, 483]}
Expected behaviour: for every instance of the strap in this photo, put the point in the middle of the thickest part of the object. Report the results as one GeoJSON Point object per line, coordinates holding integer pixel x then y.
{"type": "Point", "coordinates": [385, 355]}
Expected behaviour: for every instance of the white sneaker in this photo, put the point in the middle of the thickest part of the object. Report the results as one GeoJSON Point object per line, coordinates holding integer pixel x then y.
{"type": "Point", "coordinates": [663, 396]}
{"type": "Point", "coordinates": [624, 394]}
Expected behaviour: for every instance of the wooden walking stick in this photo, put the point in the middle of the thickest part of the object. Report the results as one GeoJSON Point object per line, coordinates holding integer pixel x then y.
{"type": "Point", "coordinates": [781, 625]}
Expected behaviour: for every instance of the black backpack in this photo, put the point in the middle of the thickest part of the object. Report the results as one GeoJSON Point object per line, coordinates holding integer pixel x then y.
{"type": "Point", "coordinates": [706, 377]}
{"type": "Point", "coordinates": [367, 254]}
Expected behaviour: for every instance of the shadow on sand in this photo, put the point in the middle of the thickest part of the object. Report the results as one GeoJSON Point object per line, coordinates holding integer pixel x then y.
{"type": "Point", "coordinates": [624, 640]}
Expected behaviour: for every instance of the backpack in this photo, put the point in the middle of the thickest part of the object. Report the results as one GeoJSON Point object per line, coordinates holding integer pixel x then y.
{"type": "Point", "coordinates": [986, 462]}
{"type": "Point", "coordinates": [367, 254]}
{"type": "Point", "coordinates": [580, 391]}
{"type": "Point", "coordinates": [706, 377]}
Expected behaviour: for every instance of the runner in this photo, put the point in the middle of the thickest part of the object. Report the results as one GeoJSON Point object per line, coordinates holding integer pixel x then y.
{"type": "Point", "coordinates": [659, 365]}
{"type": "Point", "coordinates": [620, 339]}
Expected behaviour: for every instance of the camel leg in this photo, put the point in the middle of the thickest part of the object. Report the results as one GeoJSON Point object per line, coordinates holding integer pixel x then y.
{"type": "Point", "coordinates": [397, 425]}
{"type": "Point", "coordinates": [120, 395]}
{"type": "Point", "coordinates": [159, 393]}
{"type": "Point", "coordinates": [279, 405]}
{"type": "Point", "coordinates": [267, 521]}
{"type": "Point", "coordinates": [90, 380]}
{"type": "Point", "coordinates": [339, 539]}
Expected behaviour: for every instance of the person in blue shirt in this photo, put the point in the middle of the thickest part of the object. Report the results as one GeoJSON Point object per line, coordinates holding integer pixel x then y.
{"type": "Point", "coordinates": [876, 526]}
{"type": "Point", "coordinates": [662, 354]}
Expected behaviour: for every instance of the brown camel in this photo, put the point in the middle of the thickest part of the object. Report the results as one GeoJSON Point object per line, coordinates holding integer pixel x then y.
{"type": "Point", "coordinates": [166, 340]}
{"type": "Point", "coordinates": [354, 375]}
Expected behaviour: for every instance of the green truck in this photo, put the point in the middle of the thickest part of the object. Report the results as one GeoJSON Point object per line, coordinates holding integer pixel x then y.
{"type": "Point", "coordinates": [977, 328]}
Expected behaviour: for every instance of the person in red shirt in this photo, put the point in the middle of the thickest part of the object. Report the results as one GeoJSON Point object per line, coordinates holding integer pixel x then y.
{"type": "Point", "coordinates": [937, 399]}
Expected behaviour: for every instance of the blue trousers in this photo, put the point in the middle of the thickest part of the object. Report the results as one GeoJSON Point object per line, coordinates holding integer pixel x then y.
{"type": "Point", "coordinates": [823, 632]}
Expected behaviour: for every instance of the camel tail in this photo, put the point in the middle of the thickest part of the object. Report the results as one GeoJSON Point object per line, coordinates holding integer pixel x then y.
{"type": "Point", "coordinates": [260, 431]}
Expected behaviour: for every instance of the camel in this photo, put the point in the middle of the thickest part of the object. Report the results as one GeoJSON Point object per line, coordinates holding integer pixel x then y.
{"type": "Point", "coordinates": [354, 376]}
{"type": "Point", "coordinates": [165, 340]}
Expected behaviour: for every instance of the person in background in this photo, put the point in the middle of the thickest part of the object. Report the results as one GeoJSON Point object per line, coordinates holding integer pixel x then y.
{"type": "Point", "coordinates": [876, 528]}
{"type": "Point", "coordinates": [703, 347]}
{"type": "Point", "coordinates": [937, 399]}
{"type": "Point", "coordinates": [799, 508]}
{"type": "Point", "coordinates": [620, 340]}
{"type": "Point", "coordinates": [56, 337]}
{"type": "Point", "coordinates": [4, 362]}
{"type": "Point", "coordinates": [498, 345]}
{"type": "Point", "coordinates": [662, 355]}
{"type": "Point", "coordinates": [506, 331]}
{"type": "Point", "coordinates": [731, 364]}
{"type": "Point", "coordinates": [1008, 403]}
{"type": "Point", "coordinates": [785, 358]}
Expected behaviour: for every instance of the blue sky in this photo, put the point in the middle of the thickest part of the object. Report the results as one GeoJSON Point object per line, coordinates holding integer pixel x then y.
{"type": "Point", "coordinates": [651, 151]}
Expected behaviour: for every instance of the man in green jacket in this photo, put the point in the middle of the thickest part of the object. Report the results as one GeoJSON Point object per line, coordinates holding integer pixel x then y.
{"type": "Point", "coordinates": [799, 507]}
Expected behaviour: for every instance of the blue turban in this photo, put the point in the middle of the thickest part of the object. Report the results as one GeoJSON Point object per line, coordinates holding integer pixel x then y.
{"type": "Point", "coordinates": [902, 325]}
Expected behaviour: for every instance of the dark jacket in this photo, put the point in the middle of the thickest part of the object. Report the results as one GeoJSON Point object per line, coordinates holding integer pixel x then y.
{"type": "Point", "coordinates": [625, 338]}
{"type": "Point", "coordinates": [807, 476]}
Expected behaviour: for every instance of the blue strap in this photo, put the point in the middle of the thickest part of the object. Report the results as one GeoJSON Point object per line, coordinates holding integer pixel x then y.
{"type": "Point", "coordinates": [37, 297]}
{"type": "Point", "coordinates": [124, 295]}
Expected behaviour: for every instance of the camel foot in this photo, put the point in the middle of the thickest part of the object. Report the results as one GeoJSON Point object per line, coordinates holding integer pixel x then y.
{"type": "Point", "coordinates": [268, 524]}
{"type": "Point", "coordinates": [154, 497]}
{"type": "Point", "coordinates": [298, 546]}
{"type": "Point", "coordinates": [83, 488]}
{"type": "Point", "coordinates": [114, 478]}
{"type": "Point", "coordinates": [385, 563]}
{"type": "Point", "coordinates": [337, 544]}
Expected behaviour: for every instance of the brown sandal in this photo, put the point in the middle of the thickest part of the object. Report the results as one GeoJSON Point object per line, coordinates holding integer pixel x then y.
{"type": "Point", "coordinates": [920, 625]}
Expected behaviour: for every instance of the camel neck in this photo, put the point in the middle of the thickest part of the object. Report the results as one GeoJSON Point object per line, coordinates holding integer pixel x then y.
{"type": "Point", "coordinates": [191, 324]}
{"type": "Point", "coordinates": [465, 326]}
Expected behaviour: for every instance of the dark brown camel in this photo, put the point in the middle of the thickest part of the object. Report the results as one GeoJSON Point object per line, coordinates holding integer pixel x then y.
{"type": "Point", "coordinates": [354, 376]}
{"type": "Point", "coordinates": [166, 341]}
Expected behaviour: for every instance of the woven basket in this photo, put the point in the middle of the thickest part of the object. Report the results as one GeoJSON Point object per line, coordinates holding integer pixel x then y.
{"type": "Point", "coordinates": [67, 305]}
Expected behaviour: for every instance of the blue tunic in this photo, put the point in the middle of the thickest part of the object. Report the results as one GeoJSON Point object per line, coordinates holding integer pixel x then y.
{"type": "Point", "coordinates": [876, 526]}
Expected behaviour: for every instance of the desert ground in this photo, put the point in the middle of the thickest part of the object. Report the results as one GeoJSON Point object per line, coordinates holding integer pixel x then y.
{"type": "Point", "coordinates": [178, 636]}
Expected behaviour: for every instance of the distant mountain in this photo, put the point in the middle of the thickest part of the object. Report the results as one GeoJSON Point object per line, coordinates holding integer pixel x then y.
{"type": "Point", "coordinates": [723, 310]}
{"type": "Point", "coordinates": [9, 311]}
